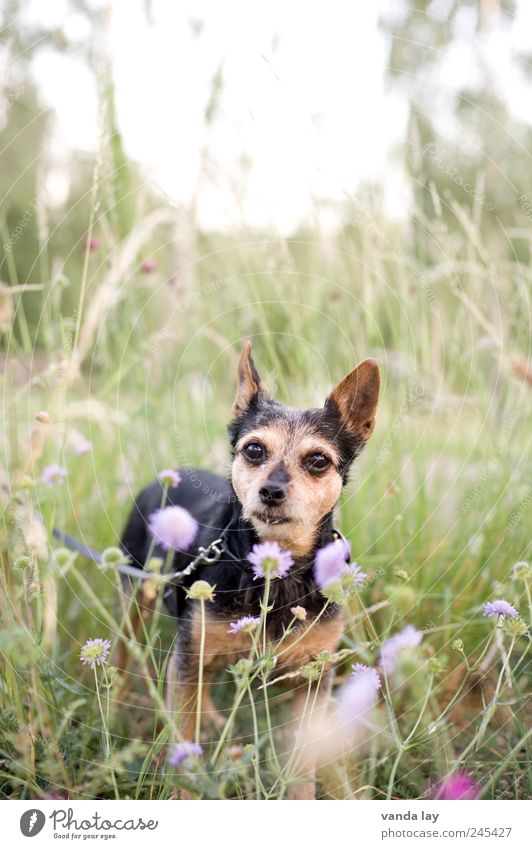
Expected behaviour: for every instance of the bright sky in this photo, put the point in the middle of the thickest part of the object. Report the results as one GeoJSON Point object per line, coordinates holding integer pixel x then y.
{"type": "Point", "coordinates": [304, 112]}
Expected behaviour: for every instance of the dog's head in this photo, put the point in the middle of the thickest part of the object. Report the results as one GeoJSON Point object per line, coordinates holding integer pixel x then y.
{"type": "Point", "coordinates": [289, 465]}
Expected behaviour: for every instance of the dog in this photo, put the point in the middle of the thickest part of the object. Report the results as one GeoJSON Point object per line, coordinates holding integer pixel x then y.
{"type": "Point", "coordinates": [288, 469]}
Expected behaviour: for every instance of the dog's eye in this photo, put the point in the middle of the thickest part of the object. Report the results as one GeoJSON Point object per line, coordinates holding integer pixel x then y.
{"type": "Point", "coordinates": [317, 462]}
{"type": "Point", "coordinates": [254, 452]}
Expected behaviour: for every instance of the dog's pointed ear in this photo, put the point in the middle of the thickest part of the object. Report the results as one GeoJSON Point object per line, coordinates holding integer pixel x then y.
{"type": "Point", "coordinates": [250, 386]}
{"type": "Point", "coordinates": [356, 398]}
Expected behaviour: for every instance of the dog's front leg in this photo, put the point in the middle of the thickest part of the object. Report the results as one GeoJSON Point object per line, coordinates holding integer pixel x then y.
{"type": "Point", "coordinates": [309, 708]}
{"type": "Point", "coordinates": [182, 692]}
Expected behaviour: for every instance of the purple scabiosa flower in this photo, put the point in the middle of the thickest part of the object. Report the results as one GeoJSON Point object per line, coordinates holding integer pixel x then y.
{"type": "Point", "coordinates": [95, 652]}
{"type": "Point", "coordinates": [352, 575]}
{"type": "Point", "coordinates": [53, 475]}
{"type": "Point", "coordinates": [408, 638]}
{"type": "Point", "coordinates": [500, 607]}
{"type": "Point", "coordinates": [148, 265]}
{"type": "Point", "coordinates": [330, 562]}
{"type": "Point", "coordinates": [173, 527]}
{"type": "Point", "coordinates": [169, 477]}
{"type": "Point", "coordinates": [362, 671]}
{"type": "Point", "coordinates": [459, 785]}
{"type": "Point", "coordinates": [356, 699]}
{"type": "Point", "coordinates": [181, 751]}
{"type": "Point", "coordinates": [245, 623]}
{"type": "Point", "coordinates": [84, 446]}
{"type": "Point", "coordinates": [268, 558]}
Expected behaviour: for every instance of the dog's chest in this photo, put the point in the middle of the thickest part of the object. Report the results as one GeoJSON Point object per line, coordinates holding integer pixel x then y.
{"type": "Point", "coordinates": [292, 652]}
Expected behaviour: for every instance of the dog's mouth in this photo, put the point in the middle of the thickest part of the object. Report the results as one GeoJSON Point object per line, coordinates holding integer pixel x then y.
{"type": "Point", "coordinates": [269, 519]}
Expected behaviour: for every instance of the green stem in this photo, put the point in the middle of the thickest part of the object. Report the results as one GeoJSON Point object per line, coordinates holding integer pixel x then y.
{"type": "Point", "coordinates": [200, 672]}
{"type": "Point", "coordinates": [106, 741]}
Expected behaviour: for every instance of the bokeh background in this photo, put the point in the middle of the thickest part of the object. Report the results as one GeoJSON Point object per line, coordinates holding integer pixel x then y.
{"type": "Point", "coordinates": [334, 181]}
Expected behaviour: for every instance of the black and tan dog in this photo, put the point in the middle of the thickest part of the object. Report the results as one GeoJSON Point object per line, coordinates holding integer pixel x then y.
{"type": "Point", "coordinates": [289, 466]}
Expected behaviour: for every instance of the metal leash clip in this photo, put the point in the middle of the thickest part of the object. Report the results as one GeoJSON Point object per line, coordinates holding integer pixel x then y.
{"type": "Point", "coordinates": [205, 555]}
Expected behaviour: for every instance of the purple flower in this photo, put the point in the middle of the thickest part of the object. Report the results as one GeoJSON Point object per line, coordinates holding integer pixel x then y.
{"type": "Point", "coordinates": [460, 785]}
{"type": "Point", "coordinates": [353, 575]}
{"type": "Point", "coordinates": [268, 558]}
{"type": "Point", "coordinates": [356, 699]}
{"type": "Point", "coordinates": [173, 527]}
{"type": "Point", "coordinates": [330, 562]}
{"type": "Point", "coordinates": [95, 652]}
{"type": "Point", "coordinates": [93, 244]}
{"type": "Point", "coordinates": [169, 477]}
{"type": "Point", "coordinates": [181, 751]}
{"type": "Point", "coordinates": [53, 475]}
{"type": "Point", "coordinates": [408, 638]}
{"type": "Point", "coordinates": [148, 265]}
{"type": "Point", "coordinates": [500, 607]}
{"type": "Point", "coordinates": [367, 672]}
{"type": "Point", "coordinates": [245, 623]}
{"type": "Point", "coordinates": [83, 447]}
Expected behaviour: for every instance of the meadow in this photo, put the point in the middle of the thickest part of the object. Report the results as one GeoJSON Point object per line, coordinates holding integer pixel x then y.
{"type": "Point", "coordinates": [122, 362]}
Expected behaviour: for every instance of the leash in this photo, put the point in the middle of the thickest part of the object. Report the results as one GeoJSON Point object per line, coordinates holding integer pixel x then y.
{"type": "Point", "coordinates": [211, 554]}
{"type": "Point", "coordinates": [205, 556]}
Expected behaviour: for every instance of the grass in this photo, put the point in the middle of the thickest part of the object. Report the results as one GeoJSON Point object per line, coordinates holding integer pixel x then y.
{"type": "Point", "coordinates": [145, 370]}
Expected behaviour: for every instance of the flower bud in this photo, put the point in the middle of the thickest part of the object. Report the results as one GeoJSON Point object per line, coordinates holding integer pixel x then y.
{"type": "Point", "coordinates": [43, 417]}
{"type": "Point", "coordinates": [515, 627]}
{"type": "Point", "coordinates": [201, 591]}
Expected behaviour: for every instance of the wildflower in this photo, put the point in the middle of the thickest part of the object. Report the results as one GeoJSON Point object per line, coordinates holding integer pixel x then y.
{"type": "Point", "coordinates": [312, 671]}
{"type": "Point", "coordinates": [357, 697]}
{"type": "Point", "coordinates": [499, 607]}
{"type": "Point", "coordinates": [359, 670]}
{"type": "Point", "coordinates": [459, 785]}
{"type": "Point", "coordinates": [148, 265]}
{"type": "Point", "coordinates": [352, 577]}
{"type": "Point", "coordinates": [299, 612]}
{"type": "Point", "coordinates": [113, 557]}
{"type": "Point", "coordinates": [437, 665]}
{"type": "Point", "coordinates": [242, 668]}
{"type": "Point", "coordinates": [93, 244]}
{"type": "Point", "coordinates": [84, 446]}
{"type": "Point", "coordinates": [330, 562]}
{"type": "Point", "coordinates": [173, 527]}
{"type": "Point", "coordinates": [522, 570]}
{"type": "Point", "coordinates": [43, 417]}
{"type": "Point", "coordinates": [64, 557]}
{"type": "Point", "coordinates": [515, 627]}
{"type": "Point", "coordinates": [95, 652]}
{"type": "Point", "coordinates": [268, 558]}
{"type": "Point", "coordinates": [401, 574]}
{"type": "Point", "coordinates": [23, 562]}
{"type": "Point", "coordinates": [154, 565]}
{"type": "Point", "coordinates": [169, 477]}
{"type": "Point", "coordinates": [53, 475]}
{"type": "Point", "coordinates": [201, 591]}
{"type": "Point", "coordinates": [245, 623]}
{"type": "Point", "coordinates": [181, 751]}
{"type": "Point", "coordinates": [408, 638]}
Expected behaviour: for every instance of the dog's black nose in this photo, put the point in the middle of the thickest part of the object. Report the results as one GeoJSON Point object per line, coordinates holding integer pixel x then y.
{"type": "Point", "coordinates": [272, 493]}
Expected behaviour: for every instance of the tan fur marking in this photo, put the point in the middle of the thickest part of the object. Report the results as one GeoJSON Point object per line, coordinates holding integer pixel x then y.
{"type": "Point", "coordinates": [296, 650]}
{"type": "Point", "coordinates": [310, 497]}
